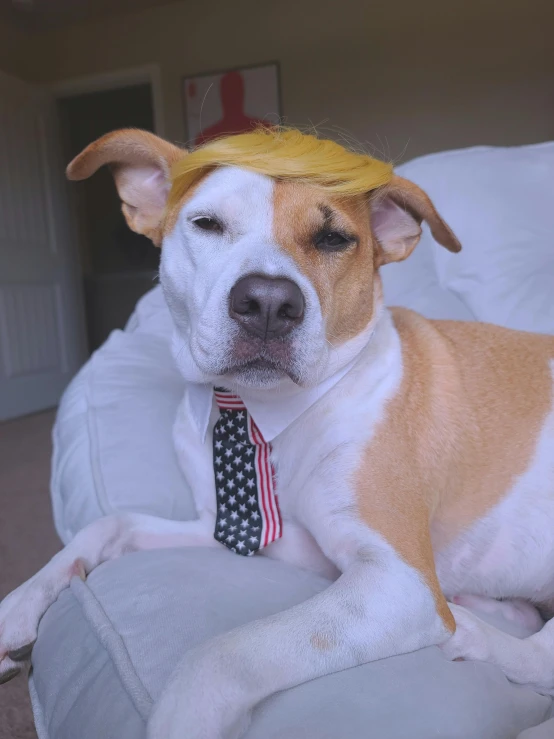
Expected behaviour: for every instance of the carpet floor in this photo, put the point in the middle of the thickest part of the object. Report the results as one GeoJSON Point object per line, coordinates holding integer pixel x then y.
{"type": "Point", "coordinates": [27, 537]}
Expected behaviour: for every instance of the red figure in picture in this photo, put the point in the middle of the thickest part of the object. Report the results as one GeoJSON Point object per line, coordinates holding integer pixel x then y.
{"type": "Point", "coordinates": [234, 119]}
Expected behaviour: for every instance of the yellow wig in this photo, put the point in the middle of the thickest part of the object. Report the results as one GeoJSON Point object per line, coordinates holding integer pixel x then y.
{"type": "Point", "coordinates": [284, 154]}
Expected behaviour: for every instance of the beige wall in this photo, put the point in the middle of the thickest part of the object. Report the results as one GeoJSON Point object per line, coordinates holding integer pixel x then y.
{"type": "Point", "coordinates": [14, 45]}
{"type": "Point", "coordinates": [406, 76]}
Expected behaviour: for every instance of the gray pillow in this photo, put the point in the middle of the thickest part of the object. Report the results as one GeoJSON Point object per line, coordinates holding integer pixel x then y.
{"type": "Point", "coordinates": [107, 647]}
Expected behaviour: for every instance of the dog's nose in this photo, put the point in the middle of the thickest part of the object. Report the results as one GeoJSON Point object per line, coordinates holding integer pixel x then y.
{"type": "Point", "coordinates": [267, 307]}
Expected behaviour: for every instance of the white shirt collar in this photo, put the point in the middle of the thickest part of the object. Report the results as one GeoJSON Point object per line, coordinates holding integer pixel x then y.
{"type": "Point", "coordinates": [275, 411]}
{"type": "Point", "coordinates": [272, 412]}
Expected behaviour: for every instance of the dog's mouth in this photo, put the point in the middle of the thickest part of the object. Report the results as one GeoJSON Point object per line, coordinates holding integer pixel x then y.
{"type": "Point", "coordinates": [259, 362]}
{"type": "Point", "coordinates": [262, 365]}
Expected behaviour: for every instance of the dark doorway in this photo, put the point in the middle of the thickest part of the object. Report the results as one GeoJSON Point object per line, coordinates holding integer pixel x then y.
{"type": "Point", "coordinates": [118, 265]}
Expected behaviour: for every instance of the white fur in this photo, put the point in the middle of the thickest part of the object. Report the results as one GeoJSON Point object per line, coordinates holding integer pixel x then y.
{"type": "Point", "coordinates": [198, 270]}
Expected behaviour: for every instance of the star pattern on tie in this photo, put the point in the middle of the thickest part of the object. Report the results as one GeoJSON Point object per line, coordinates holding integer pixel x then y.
{"type": "Point", "coordinates": [238, 523]}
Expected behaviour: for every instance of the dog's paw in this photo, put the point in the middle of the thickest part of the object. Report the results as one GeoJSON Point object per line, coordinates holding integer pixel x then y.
{"type": "Point", "coordinates": [526, 661]}
{"type": "Point", "coordinates": [470, 640]}
{"type": "Point", "coordinates": [517, 611]}
{"type": "Point", "coordinates": [20, 614]}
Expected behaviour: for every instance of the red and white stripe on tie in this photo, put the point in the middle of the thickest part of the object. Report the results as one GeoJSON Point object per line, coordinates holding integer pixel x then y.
{"type": "Point", "coordinates": [269, 504]}
{"type": "Point", "coordinates": [228, 400]}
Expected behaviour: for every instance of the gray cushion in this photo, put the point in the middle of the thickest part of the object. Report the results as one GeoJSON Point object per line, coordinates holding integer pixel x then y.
{"type": "Point", "coordinates": [107, 647]}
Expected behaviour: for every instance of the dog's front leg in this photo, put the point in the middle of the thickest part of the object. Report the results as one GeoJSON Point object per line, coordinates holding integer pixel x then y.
{"type": "Point", "coordinates": [379, 607]}
{"type": "Point", "coordinates": [105, 539]}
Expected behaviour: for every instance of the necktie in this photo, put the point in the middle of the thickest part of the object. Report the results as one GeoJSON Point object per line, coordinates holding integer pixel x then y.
{"type": "Point", "coordinates": [248, 516]}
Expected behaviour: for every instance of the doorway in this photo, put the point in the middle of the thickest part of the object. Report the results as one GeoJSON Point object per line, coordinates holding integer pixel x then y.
{"type": "Point", "coordinates": [118, 266]}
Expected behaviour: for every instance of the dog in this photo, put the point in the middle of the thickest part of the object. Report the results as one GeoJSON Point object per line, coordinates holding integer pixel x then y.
{"type": "Point", "coordinates": [410, 460]}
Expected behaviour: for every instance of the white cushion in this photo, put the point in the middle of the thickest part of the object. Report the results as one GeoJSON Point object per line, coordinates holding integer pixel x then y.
{"type": "Point", "coordinates": [499, 203]}
{"type": "Point", "coordinates": [151, 315]}
{"type": "Point", "coordinates": [113, 447]}
{"type": "Point", "coordinates": [414, 284]}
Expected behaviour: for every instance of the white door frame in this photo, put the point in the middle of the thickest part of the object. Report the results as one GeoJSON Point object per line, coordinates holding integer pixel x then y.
{"type": "Point", "coordinates": [149, 74]}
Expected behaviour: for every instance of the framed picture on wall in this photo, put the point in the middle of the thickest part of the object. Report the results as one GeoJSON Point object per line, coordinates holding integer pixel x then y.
{"type": "Point", "coordinates": [231, 101]}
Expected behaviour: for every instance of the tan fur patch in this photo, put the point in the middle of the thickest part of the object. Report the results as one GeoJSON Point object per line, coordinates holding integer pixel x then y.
{"type": "Point", "coordinates": [504, 394]}
{"type": "Point", "coordinates": [343, 280]}
{"type": "Point", "coordinates": [322, 642]}
{"type": "Point", "coordinates": [462, 427]}
{"type": "Point", "coordinates": [128, 146]}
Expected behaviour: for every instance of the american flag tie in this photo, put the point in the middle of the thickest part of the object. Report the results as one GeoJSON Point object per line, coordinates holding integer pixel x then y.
{"type": "Point", "coordinates": [248, 516]}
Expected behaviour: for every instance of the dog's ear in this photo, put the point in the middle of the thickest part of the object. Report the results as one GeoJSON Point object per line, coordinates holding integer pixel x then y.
{"type": "Point", "coordinates": [141, 164]}
{"type": "Point", "coordinates": [397, 211]}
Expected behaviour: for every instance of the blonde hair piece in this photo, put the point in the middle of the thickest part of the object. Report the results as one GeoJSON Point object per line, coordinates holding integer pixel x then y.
{"type": "Point", "coordinates": [284, 154]}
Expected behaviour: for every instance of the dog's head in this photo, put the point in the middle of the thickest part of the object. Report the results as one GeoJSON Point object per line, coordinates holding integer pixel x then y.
{"type": "Point", "coordinates": [272, 242]}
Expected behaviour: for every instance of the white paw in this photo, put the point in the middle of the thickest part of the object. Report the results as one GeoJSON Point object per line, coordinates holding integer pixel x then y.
{"type": "Point", "coordinates": [469, 641]}
{"type": "Point", "coordinates": [20, 614]}
{"type": "Point", "coordinates": [517, 610]}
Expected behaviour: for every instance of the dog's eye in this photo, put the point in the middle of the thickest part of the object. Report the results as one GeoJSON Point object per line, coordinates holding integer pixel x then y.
{"type": "Point", "coordinates": [332, 241]}
{"type": "Point", "coordinates": [208, 224]}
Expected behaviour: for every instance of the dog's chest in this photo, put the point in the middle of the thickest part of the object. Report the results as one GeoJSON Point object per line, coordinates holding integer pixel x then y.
{"type": "Point", "coordinates": [305, 478]}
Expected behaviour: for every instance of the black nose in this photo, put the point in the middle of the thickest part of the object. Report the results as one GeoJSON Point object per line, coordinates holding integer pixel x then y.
{"type": "Point", "coordinates": [268, 307]}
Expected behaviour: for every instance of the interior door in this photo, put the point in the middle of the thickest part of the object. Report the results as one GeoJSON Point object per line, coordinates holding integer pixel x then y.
{"type": "Point", "coordinates": [42, 336]}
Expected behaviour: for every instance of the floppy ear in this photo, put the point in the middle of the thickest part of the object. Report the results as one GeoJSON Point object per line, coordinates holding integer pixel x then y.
{"type": "Point", "coordinates": [397, 211]}
{"type": "Point", "coordinates": [141, 164]}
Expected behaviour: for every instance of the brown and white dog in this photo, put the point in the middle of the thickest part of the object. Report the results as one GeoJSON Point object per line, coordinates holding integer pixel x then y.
{"type": "Point", "coordinates": [415, 458]}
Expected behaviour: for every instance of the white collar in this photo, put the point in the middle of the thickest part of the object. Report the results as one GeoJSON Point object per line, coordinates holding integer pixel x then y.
{"type": "Point", "coordinates": [272, 412]}
{"type": "Point", "coordinates": [275, 411]}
